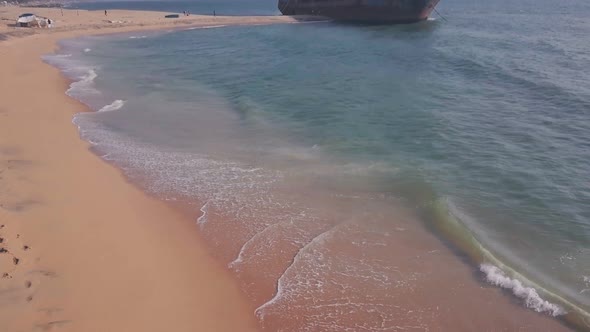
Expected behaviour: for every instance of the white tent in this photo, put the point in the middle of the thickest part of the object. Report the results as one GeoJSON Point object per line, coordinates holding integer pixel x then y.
{"type": "Point", "coordinates": [31, 20]}
{"type": "Point", "coordinates": [26, 20]}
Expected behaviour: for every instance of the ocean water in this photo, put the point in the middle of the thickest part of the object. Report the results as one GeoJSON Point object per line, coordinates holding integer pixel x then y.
{"type": "Point", "coordinates": [297, 146]}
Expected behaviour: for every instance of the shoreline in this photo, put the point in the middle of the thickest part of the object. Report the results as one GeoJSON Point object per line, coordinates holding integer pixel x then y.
{"type": "Point", "coordinates": [451, 229]}
{"type": "Point", "coordinates": [173, 214]}
{"type": "Point", "coordinates": [72, 24]}
{"type": "Point", "coordinates": [83, 248]}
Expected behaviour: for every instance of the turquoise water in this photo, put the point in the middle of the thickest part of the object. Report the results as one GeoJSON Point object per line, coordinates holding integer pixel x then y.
{"type": "Point", "coordinates": [487, 113]}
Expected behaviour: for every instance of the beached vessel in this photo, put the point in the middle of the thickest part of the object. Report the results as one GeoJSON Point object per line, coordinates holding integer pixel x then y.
{"type": "Point", "coordinates": [363, 11]}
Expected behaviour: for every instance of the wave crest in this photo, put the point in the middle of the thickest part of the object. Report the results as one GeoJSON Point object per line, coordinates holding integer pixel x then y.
{"type": "Point", "coordinates": [117, 104]}
{"type": "Point", "coordinates": [531, 298]}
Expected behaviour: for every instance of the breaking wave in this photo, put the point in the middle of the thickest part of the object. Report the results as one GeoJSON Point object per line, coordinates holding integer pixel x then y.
{"type": "Point", "coordinates": [85, 85]}
{"type": "Point", "coordinates": [449, 220]}
{"type": "Point", "coordinates": [117, 104]}
{"type": "Point", "coordinates": [531, 298]}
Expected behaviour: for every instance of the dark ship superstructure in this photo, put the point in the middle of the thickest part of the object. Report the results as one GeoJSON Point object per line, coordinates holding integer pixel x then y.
{"type": "Point", "coordinates": [362, 11]}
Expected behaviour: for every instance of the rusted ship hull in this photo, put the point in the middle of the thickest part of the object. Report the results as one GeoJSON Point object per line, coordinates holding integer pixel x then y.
{"type": "Point", "coordinates": [362, 11]}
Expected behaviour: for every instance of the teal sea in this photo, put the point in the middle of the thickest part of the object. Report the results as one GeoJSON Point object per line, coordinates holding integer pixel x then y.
{"type": "Point", "coordinates": [479, 123]}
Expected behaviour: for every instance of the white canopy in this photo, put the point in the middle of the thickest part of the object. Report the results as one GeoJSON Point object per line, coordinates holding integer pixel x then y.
{"type": "Point", "coordinates": [26, 18]}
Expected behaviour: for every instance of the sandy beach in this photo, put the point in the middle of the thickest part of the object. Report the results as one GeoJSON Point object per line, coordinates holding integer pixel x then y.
{"type": "Point", "coordinates": [82, 249]}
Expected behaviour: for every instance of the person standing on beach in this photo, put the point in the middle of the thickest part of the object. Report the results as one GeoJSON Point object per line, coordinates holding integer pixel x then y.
{"type": "Point", "coordinates": [49, 23]}
{"type": "Point", "coordinates": [105, 13]}
{"type": "Point", "coordinates": [213, 12]}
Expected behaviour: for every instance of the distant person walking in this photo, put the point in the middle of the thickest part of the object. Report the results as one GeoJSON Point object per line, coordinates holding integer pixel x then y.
{"type": "Point", "coordinates": [49, 23]}
{"type": "Point", "coordinates": [213, 12]}
{"type": "Point", "coordinates": [105, 13]}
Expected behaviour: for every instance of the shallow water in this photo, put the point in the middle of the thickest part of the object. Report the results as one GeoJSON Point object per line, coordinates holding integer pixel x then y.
{"type": "Point", "coordinates": [303, 141]}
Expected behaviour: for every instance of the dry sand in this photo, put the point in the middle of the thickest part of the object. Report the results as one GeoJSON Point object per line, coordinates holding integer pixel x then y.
{"type": "Point", "coordinates": [76, 22]}
{"type": "Point", "coordinates": [82, 249]}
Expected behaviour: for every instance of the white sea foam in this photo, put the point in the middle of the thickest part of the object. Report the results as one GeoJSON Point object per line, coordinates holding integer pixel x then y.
{"type": "Point", "coordinates": [267, 233]}
{"type": "Point", "coordinates": [89, 76]}
{"type": "Point", "coordinates": [207, 27]}
{"type": "Point", "coordinates": [319, 239]}
{"type": "Point", "coordinates": [203, 218]}
{"type": "Point", "coordinates": [238, 260]}
{"type": "Point", "coordinates": [117, 104]}
{"type": "Point", "coordinates": [86, 50]}
{"type": "Point", "coordinates": [85, 84]}
{"type": "Point", "coordinates": [137, 37]}
{"type": "Point", "coordinates": [586, 284]}
{"type": "Point", "coordinates": [531, 298]}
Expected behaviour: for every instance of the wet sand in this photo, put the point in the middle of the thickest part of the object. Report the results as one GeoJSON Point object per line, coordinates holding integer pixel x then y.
{"type": "Point", "coordinates": [362, 263]}
{"type": "Point", "coordinates": [84, 250]}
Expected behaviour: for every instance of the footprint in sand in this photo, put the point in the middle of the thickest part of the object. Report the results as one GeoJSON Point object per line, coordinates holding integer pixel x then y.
{"type": "Point", "coordinates": [50, 325]}
{"type": "Point", "coordinates": [7, 253]}
{"type": "Point", "coordinates": [12, 245]}
{"type": "Point", "coordinates": [13, 197]}
{"type": "Point", "coordinates": [50, 311]}
{"type": "Point", "coordinates": [20, 206]}
{"type": "Point", "coordinates": [12, 163]}
{"type": "Point", "coordinates": [15, 262]}
{"type": "Point", "coordinates": [44, 273]}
